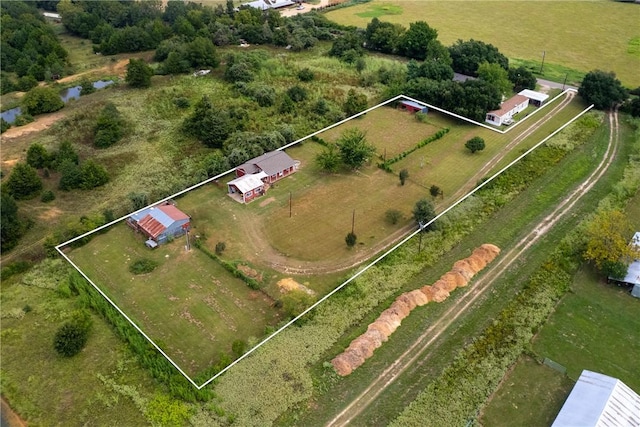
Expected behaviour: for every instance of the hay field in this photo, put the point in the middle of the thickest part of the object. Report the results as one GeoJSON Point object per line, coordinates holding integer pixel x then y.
{"type": "Point", "coordinates": [583, 35]}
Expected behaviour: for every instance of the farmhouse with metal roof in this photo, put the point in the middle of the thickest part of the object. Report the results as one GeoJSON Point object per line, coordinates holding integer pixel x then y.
{"type": "Point", "coordinates": [160, 223]}
{"type": "Point", "coordinates": [507, 110]}
{"type": "Point", "coordinates": [275, 164]}
{"type": "Point", "coordinates": [598, 400]}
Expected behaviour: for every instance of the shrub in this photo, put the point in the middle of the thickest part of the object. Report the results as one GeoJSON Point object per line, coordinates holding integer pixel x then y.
{"type": "Point", "coordinates": [86, 87]}
{"type": "Point", "coordinates": [182, 102]}
{"type": "Point", "coordinates": [24, 182]}
{"type": "Point", "coordinates": [475, 144]}
{"type": "Point", "coordinates": [37, 156]}
{"type": "Point", "coordinates": [4, 125]}
{"type": "Point", "coordinates": [220, 247]}
{"type": "Point", "coordinates": [239, 347]}
{"type": "Point", "coordinates": [23, 119]}
{"type": "Point", "coordinates": [306, 75]}
{"type": "Point", "coordinates": [73, 335]}
{"type": "Point", "coordinates": [351, 239]}
{"type": "Point", "coordinates": [47, 196]}
{"type": "Point", "coordinates": [109, 127]}
{"type": "Point", "coordinates": [403, 175]}
{"type": "Point", "coordinates": [297, 93]}
{"type": "Point", "coordinates": [143, 266]}
{"type": "Point", "coordinates": [393, 216]}
{"type": "Point", "coordinates": [42, 100]}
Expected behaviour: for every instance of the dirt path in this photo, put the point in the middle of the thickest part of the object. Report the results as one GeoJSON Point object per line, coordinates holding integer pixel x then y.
{"type": "Point", "coordinates": [421, 348]}
{"type": "Point", "coordinates": [265, 253]}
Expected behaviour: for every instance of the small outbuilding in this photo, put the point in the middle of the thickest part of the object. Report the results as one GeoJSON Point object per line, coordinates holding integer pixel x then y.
{"type": "Point", "coordinates": [248, 187]}
{"type": "Point", "coordinates": [507, 110]}
{"type": "Point", "coordinates": [598, 400]}
{"type": "Point", "coordinates": [412, 107]}
{"type": "Point", "coordinates": [535, 98]}
{"type": "Point", "coordinates": [160, 223]}
{"type": "Point", "coordinates": [275, 164]}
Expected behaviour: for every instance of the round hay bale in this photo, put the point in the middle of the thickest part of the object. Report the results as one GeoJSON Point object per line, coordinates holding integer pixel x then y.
{"type": "Point", "coordinates": [463, 268]}
{"type": "Point", "coordinates": [418, 297]}
{"type": "Point", "coordinates": [342, 365]}
{"type": "Point", "coordinates": [428, 292]}
{"type": "Point", "coordinates": [354, 359]}
{"type": "Point", "coordinates": [401, 309]}
{"type": "Point", "coordinates": [391, 318]}
{"type": "Point", "coordinates": [440, 295]}
{"type": "Point", "coordinates": [362, 347]}
{"type": "Point", "coordinates": [410, 303]}
{"type": "Point", "coordinates": [376, 334]}
{"type": "Point", "coordinates": [384, 327]}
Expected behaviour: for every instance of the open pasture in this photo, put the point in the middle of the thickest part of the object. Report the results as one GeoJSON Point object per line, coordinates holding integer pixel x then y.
{"type": "Point", "coordinates": [583, 35]}
{"type": "Point", "coordinates": [189, 305]}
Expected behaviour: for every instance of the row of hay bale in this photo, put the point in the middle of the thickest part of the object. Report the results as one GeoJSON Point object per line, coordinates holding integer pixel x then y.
{"type": "Point", "coordinates": [378, 332]}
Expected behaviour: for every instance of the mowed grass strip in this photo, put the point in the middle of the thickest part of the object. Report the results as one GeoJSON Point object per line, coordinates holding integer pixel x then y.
{"type": "Point", "coordinates": [573, 34]}
{"type": "Point", "coordinates": [189, 305]}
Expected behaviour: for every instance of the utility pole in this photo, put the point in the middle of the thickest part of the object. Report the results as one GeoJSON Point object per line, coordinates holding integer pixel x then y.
{"type": "Point", "coordinates": [542, 65]}
{"type": "Point", "coordinates": [565, 80]}
{"type": "Point", "coordinates": [289, 204]}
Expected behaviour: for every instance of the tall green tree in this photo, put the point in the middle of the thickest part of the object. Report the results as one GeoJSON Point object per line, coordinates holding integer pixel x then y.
{"type": "Point", "coordinates": [138, 73]}
{"type": "Point", "coordinates": [329, 159]}
{"type": "Point", "coordinates": [355, 102]}
{"type": "Point", "coordinates": [109, 127]}
{"type": "Point", "coordinates": [414, 43]}
{"type": "Point", "coordinates": [497, 76]}
{"type": "Point", "coordinates": [608, 237]}
{"type": "Point", "coordinates": [468, 55]}
{"type": "Point", "coordinates": [24, 182]}
{"type": "Point", "coordinates": [11, 226]}
{"type": "Point", "coordinates": [602, 89]}
{"type": "Point", "coordinates": [354, 148]}
{"type": "Point", "coordinates": [423, 212]}
{"type": "Point", "coordinates": [522, 78]}
{"type": "Point", "coordinates": [210, 125]}
{"type": "Point", "coordinates": [475, 144]}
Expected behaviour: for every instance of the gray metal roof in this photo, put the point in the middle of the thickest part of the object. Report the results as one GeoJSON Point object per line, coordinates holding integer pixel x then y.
{"type": "Point", "coordinates": [600, 401]}
{"type": "Point", "coordinates": [271, 163]}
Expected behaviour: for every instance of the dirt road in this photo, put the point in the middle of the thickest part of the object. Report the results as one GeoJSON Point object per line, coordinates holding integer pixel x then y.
{"type": "Point", "coordinates": [421, 349]}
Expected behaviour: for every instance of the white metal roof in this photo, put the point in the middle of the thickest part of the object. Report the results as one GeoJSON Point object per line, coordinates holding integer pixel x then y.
{"type": "Point", "coordinates": [248, 182]}
{"type": "Point", "coordinates": [532, 94]}
{"type": "Point", "coordinates": [600, 401]}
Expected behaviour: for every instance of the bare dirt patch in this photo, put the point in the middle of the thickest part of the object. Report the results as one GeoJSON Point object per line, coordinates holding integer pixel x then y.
{"type": "Point", "coordinates": [288, 285]}
{"type": "Point", "coordinates": [267, 201]}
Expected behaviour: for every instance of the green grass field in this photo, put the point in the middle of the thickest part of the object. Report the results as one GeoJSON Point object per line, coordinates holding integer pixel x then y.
{"type": "Point", "coordinates": [530, 395]}
{"type": "Point", "coordinates": [189, 305]}
{"type": "Point", "coordinates": [579, 35]}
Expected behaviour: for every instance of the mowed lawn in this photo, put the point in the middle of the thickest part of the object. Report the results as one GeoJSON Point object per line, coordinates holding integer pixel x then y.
{"type": "Point", "coordinates": [189, 305]}
{"type": "Point", "coordinates": [323, 205]}
{"type": "Point", "coordinates": [530, 395]}
{"type": "Point", "coordinates": [583, 35]}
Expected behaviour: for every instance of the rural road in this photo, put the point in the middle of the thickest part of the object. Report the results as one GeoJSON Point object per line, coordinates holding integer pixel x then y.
{"type": "Point", "coordinates": [421, 349]}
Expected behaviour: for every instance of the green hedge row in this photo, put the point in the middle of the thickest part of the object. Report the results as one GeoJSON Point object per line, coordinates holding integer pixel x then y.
{"type": "Point", "coordinates": [386, 165]}
{"type": "Point", "coordinates": [159, 367]}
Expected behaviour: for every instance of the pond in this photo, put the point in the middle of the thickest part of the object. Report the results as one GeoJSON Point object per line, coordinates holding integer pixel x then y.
{"type": "Point", "coordinates": [66, 95]}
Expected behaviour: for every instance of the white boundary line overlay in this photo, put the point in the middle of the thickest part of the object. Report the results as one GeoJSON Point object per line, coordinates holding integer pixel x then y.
{"type": "Point", "coordinates": [359, 272]}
